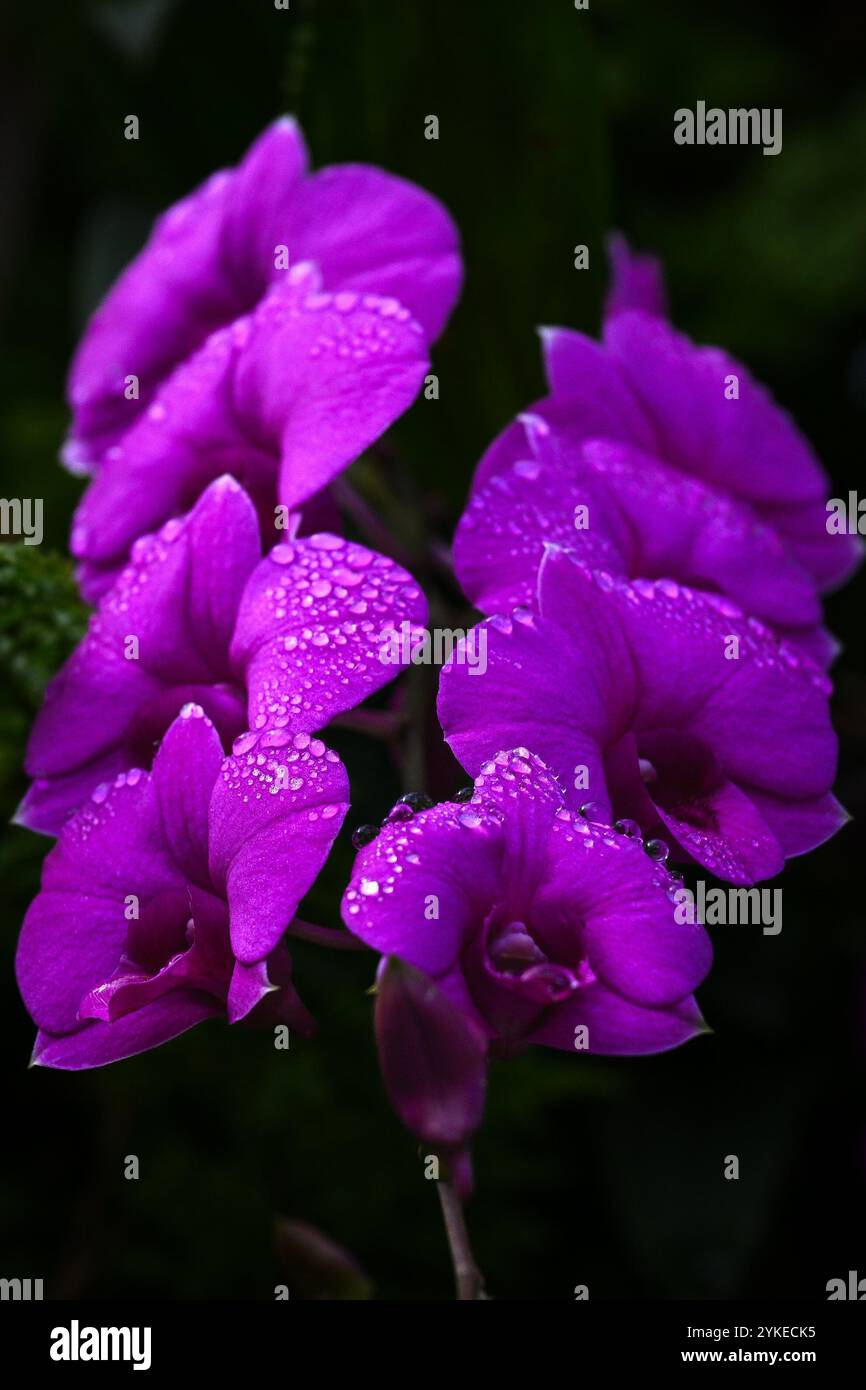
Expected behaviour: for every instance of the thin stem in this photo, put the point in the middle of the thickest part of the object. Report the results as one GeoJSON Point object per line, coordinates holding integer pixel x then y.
{"type": "Point", "coordinates": [369, 522]}
{"type": "Point", "coordinates": [468, 1278]}
{"type": "Point", "coordinates": [414, 744]}
{"type": "Point", "coordinates": [325, 936]}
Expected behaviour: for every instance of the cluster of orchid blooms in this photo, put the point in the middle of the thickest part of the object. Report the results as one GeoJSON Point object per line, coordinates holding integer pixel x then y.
{"type": "Point", "coordinates": [648, 542]}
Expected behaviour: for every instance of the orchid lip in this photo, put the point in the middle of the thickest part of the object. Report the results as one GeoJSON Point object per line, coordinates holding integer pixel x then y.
{"type": "Point", "coordinates": [516, 960]}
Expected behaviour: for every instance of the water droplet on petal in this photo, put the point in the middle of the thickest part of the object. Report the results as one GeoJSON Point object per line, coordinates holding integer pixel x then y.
{"type": "Point", "coordinates": [274, 738]}
{"type": "Point", "coordinates": [627, 827]}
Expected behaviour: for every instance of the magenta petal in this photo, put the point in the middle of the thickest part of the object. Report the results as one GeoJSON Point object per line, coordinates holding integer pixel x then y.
{"type": "Point", "coordinates": [275, 811]}
{"type": "Point", "coordinates": [510, 447]}
{"type": "Point", "coordinates": [433, 1058]}
{"type": "Point", "coordinates": [376, 233]}
{"type": "Point", "coordinates": [213, 256]}
{"type": "Point", "coordinates": [162, 307]}
{"type": "Point", "coordinates": [179, 941]}
{"type": "Point", "coordinates": [177, 602]}
{"type": "Point", "coordinates": [259, 213]}
{"type": "Point", "coordinates": [70, 942]}
{"type": "Point", "coordinates": [764, 713]}
{"type": "Point", "coordinates": [249, 986]}
{"type": "Point", "coordinates": [687, 799]}
{"type": "Point", "coordinates": [187, 439]}
{"type": "Point", "coordinates": [623, 511]}
{"type": "Point", "coordinates": [326, 375]}
{"type": "Point", "coordinates": [264, 995]}
{"type": "Point", "coordinates": [748, 446]}
{"type": "Point", "coordinates": [731, 839]}
{"type": "Point", "coordinates": [180, 593]}
{"type": "Point", "coordinates": [500, 540]}
{"type": "Point", "coordinates": [616, 1027]}
{"type": "Point", "coordinates": [115, 844]}
{"type": "Point", "coordinates": [592, 392]}
{"type": "Point", "coordinates": [819, 645]}
{"type": "Point", "coordinates": [316, 620]}
{"type": "Point", "coordinates": [184, 773]}
{"type": "Point", "coordinates": [534, 680]}
{"type": "Point", "coordinates": [224, 548]}
{"type": "Point", "coordinates": [49, 802]}
{"type": "Point", "coordinates": [516, 789]}
{"type": "Point", "coordinates": [684, 530]}
{"type": "Point", "coordinates": [450, 865]}
{"type": "Point", "coordinates": [770, 724]}
{"type": "Point", "coordinates": [800, 826]}
{"type": "Point", "coordinates": [75, 929]}
{"type": "Point", "coordinates": [283, 400]}
{"type": "Point", "coordinates": [88, 705]}
{"type": "Point", "coordinates": [637, 280]}
{"type": "Point", "coordinates": [645, 657]}
{"type": "Point", "coordinates": [97, 1044]}
{"type": "Point", "coordinates": [618, 899]}
{"type": "Point", "coordinates": [209, 259]}
{"type": "Point", "coordinates": [830, 559]}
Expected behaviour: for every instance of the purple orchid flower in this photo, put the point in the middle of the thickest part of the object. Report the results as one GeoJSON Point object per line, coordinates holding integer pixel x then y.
{"type": "Point", "coordinates": [529, 925]}
{"type": "Point", "coordinates": [275, 646]}
{"type": "Point", "coordinates": [165, 900]}
{"type": "Point", "coordinates": [213, 256]}
{"type": "Point", "coordinates": [673, 407]}
{"type": "Point", "coordinates": [618, 509]}
{"type": "Point", "coordinates": [659, 705]}
{"type": "Point", "coordinates": [283, 400]}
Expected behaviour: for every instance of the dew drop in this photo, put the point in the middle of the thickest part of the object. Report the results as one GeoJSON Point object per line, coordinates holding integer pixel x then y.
{"type": "Point", "coordinates": [627, 827]}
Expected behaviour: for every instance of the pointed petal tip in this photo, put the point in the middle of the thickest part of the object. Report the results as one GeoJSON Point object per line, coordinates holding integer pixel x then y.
{"type": "Point", "coordinates": [74, 457]}
{"type": "Point", "coordinates": [226, 482]}
{"type": "Point", "coordinates": [533, 423]}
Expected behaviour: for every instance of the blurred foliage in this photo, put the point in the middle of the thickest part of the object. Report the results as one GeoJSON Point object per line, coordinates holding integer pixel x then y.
{"type": "Point", "coordinates": [555, 124]}
{"type": "Point", "coordinates": [41, 619]}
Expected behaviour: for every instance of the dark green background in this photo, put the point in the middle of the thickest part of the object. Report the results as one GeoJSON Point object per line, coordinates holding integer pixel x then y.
{"type": "Point", "coordinates": [554, 126]}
